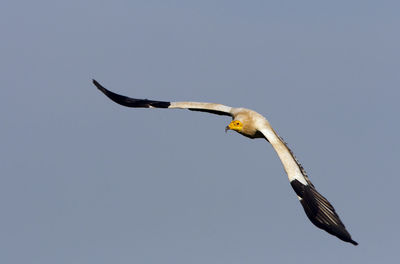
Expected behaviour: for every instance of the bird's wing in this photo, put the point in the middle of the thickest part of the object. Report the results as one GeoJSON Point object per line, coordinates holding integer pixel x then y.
{"type": "Point", "coordinates": [320, 212]}
{"type": "Point", "coordinates": [317, 208]}
{"type": "Point", "coordinates": [218, 109]}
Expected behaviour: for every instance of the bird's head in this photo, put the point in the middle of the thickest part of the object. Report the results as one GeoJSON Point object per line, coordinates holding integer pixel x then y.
{"type": "Point", "coordinates": [245, 126]}
{"type": "Point", "coordinates": [235, 125]}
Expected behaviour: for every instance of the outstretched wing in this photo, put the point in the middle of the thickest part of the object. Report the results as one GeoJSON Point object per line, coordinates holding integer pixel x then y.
{"type": "Point", "coordinates": [320, 212]}
{"type": "Point", "coordinates": [212, 108]}
{"type": "Point", "coordinates": [317, 208]}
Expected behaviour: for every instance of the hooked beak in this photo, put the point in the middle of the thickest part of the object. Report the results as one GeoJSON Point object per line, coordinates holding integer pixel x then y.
{"type": "Point", "coordinates": [231, 126]}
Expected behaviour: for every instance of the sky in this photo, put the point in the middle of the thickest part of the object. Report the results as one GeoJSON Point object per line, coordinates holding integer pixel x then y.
{"type": "Point", "coordinates": [84, 180]}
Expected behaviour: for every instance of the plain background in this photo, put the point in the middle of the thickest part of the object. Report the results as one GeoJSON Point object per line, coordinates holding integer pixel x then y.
{"type": "Point", "coordinates": [84, 180]}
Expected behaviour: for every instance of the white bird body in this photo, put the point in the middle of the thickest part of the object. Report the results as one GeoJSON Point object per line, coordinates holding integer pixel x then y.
{"type": "Point", "coordinates": [253, 125]}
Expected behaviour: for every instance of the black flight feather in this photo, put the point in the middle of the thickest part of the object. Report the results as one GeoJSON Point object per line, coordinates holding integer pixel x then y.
{"type": "Point", "coordinates": [320, 212]}
{"type": "Point", "coordinates": [131, 102]}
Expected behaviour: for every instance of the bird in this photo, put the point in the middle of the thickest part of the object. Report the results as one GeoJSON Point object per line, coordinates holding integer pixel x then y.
{"type": "Point", "coordinates": [254, 125]}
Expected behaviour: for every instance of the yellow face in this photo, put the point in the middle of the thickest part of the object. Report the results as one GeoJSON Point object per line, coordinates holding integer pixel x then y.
{"type": "Point", "coordinates": [235, 125]}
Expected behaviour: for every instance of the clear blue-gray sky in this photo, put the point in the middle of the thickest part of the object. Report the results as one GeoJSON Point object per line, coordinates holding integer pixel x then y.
{"type": "Point", "coordinates": [84, 180]}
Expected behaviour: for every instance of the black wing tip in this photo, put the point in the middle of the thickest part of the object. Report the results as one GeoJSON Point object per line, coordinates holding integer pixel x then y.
{"type": "Point", "coordinates": [311, 200]}
{"type": "Point", "coordinates": [354, 242]}
{"type": "Point", "coordinates": [98, 85]}
{"type": "Point", "coordinates": [120, 99]}
{"type": "Point", "coordinates": [346, 237]}
{"type": "Point", "coordinates": [130, 102]}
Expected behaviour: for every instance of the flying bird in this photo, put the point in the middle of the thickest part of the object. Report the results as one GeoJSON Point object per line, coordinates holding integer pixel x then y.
{"type": "Point", "coordinates": [253, 125]}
